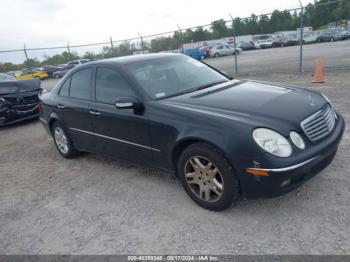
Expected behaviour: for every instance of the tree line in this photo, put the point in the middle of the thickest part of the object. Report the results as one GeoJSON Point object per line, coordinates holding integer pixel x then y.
{"type": "Point", "coordinates": [316, 15]}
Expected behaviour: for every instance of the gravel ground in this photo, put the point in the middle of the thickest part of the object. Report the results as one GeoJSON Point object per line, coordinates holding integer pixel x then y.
{"type": "Point", "coordinates": [96, 205]}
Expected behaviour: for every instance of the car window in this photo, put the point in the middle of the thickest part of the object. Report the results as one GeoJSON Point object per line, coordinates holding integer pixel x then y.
{"type": "Point", "coordinates": [5, 77]}
{"type": "Point", "coordinates": [172, 75]}
{"type": "Point", "coordinates": [110, 85]}
{"type": "Point", "coordinates": [64, 91]}
{"type": "Point", "coordinates": [80, 86]}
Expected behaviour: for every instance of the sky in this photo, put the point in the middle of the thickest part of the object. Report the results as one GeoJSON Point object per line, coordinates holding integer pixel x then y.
{"type": "Point", "coordinates": [42, 23]}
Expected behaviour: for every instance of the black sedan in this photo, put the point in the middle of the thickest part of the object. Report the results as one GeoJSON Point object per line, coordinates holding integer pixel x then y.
{"type": "Point", "coordinates": [60, 72]}
{"type": "Point", "coordinates": [18, 99]}
{"type": "Point", "coordinates": [224, 138]}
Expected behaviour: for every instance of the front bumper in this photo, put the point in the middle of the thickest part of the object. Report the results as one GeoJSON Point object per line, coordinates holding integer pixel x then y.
{"type": "Point", "coordinates": [288, 174]}
{"type": "Point", "coordinates": [12, 116]}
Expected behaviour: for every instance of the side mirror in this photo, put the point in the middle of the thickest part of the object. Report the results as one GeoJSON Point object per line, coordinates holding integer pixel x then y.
{"type": "Point", "coordinates": [129, 102]}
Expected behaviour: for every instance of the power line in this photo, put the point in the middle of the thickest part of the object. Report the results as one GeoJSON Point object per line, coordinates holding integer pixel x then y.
{"type": "Point", "coordinates": [159, 34]}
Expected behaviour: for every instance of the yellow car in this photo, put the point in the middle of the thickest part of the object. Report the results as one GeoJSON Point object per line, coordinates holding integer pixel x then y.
{"type": "Point", "coordinates": [31, 73]}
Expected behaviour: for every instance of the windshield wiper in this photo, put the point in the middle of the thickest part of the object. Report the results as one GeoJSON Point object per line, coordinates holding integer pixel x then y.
{"type": "Point", "coordinates": [209, 85]}
{"type": "Point", "coordinates": [195, 89]}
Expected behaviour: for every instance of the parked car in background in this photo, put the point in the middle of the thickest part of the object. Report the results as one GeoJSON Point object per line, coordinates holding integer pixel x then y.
{"type": "Point", "coordinates": [247, 46]}
{"type": "Point", "coordinates": [284, 41]}
{"type": "Point", "coordinates": [223, 50]}
{"type": "Point", "coordinates": [18, 99]}
{"type": "Point", "coordinates": [194, 53]}
{"type": "Point", "coordinates": [308, 38]}
{"type": "Point", "coordinates": [62, 71]}
{"type": "Point", "coordinates": [78, 61]}
{"type": "Point", "coordinates": [12, 73]}
{"type": "Point", "coordinates": [265, 43]}
{"type": "Point", "coordinates": [206, 50]}
{"type": "Point", "coordinates": [345, 34]}
{"type": "Point", "coordinates": [49, 69]}
{"type": "Point", "coordinates": [224, 138]}
{"type": "Point", "coordinates": [328, 36]}
{"type": "Point", "coordinates": [30, 73]}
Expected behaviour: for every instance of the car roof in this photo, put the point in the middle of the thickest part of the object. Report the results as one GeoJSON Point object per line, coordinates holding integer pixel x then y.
{"type": "Point", "coordinates": [134, 58]}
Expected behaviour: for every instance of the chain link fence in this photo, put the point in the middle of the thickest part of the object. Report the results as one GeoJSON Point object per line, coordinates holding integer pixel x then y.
{"type": "Point", "coordinates": [237, 35]}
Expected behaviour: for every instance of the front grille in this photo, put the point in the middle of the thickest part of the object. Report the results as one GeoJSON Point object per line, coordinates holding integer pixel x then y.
{"type": "Point", "coordinates": [320, 124]}
{"type": "Point", "coordinates": [30, 99]}
{"type": "Point", "coordinates": [22, 100]}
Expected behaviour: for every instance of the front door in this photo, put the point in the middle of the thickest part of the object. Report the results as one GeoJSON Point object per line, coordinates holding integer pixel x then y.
{"type": "Point", "coordinates": [119, 132]}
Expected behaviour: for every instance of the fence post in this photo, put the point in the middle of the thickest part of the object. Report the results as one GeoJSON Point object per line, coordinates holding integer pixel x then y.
{"type": "Point", "coordinates": [25, 52]}
{"type": "Point", "coordinates": [143, 49]}
{"type": "Point", "coordinates": [234, 42]}
{"type": "Point", "coordinates": [181, 38]}
{"type": "Point", "coordinates": [70, 55]}
{"type": "Point", "coordinates": [110, 38]}
{"type": "Point", "coordinates": [301, 37]}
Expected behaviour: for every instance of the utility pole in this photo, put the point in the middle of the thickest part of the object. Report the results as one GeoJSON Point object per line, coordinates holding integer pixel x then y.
{"type": "Point", "coordinates": [25, 51]}
{"type": "Point", "coordinates": [143, 49]}
{"type": "Point", "coordinates": [234, 42]}
{"type": "Point", "coordinates": [301, 37]}
{"type": "Point", "coordinates": [181, 38]}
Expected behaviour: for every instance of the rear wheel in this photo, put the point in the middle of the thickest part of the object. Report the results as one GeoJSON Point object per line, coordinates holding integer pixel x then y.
{"type": "Point", "coordinates": [207, 177]}
{"type": "Point", "coordinates": [63, 142]}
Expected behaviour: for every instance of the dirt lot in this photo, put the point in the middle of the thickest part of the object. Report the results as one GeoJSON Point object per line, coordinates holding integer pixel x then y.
{"type": "Point", "coordinates": [96, 205]}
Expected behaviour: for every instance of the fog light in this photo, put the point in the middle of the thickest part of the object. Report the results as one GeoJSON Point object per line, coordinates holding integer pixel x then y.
{"type": "Point", "coordinates": [286, 182]}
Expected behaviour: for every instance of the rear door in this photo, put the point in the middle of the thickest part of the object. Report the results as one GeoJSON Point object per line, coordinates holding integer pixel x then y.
{"type": "Point", "coordinates": [74, 108]}
{"type": "Point", "coordinates": [119, 132]}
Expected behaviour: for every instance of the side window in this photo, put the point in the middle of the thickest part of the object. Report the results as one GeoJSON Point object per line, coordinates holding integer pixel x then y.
{"type": "Point", "coordinates": [111, 85]}
{"type": "Point", "coordinates": [80, 86]}
{"type": "Point", "coordinates": [64, 91]}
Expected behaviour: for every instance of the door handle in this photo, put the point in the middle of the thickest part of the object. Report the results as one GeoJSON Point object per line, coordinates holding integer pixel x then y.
{"type": "Point", "coordinates": [60, 106]}
{"type": "Point", "coordinates": [94, 112]}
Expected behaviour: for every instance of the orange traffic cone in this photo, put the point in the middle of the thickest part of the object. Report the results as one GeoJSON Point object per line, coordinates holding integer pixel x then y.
{"type": "Point", "coordinates": [319, 75]}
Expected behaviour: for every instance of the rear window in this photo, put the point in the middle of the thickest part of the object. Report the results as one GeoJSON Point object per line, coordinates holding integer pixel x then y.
{"type": "Point", "coordinates": [65, 88]}
{"type": "Point", "coordinates": [80, 86]}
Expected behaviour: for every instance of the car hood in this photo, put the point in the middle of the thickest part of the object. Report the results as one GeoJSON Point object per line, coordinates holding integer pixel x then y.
{"type": "Point", "coordinates": [19, 86]}
{"type": "Point", "coordinates": [251, 100]}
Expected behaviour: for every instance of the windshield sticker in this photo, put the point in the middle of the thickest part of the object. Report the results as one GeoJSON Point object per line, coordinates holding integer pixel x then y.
{"type": "Point", "coordinates": [160, 94]}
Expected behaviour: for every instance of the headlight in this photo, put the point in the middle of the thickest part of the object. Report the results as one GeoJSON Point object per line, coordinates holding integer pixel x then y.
{"type": "Point", "coordinates": [297, 140]}
{"type": "Point", "coordinates": [272, 142]}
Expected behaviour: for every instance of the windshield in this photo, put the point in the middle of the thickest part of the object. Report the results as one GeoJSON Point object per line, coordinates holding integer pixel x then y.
{"type": "Point", "coordinates": [170, 76]}
{"type": "Point", "coordinates": [5, 77]}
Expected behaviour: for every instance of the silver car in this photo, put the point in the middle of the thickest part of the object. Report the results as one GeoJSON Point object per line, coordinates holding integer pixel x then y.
{"type": "Point", "coordinates": [222, 50]}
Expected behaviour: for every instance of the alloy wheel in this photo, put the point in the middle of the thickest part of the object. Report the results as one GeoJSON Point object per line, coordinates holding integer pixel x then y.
{"type": "Point", "coordinates": [204, 179]}
{"type": "Point", "coordinates": [61, 140]}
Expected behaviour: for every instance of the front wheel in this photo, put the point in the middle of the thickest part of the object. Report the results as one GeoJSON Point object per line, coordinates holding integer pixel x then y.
{"type": "Point", "coordinates": [207, 177]}
{"type": "Point", "coordinates": [63, 142]}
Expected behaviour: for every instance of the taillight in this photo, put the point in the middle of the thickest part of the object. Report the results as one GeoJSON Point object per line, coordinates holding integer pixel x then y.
{"type": "Point", "coordinates": [40, 108]}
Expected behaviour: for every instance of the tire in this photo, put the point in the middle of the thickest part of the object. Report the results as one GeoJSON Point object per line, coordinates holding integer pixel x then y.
{"type": "Point", "coordinates": [69, 150]}
{"type": "Point", "coordinates": [216, 55]}
{"type": "Point", "coordinates": [56, 76]}
{"type": "Point", "coordinates": [209, 189]}
{"type": "Point", "coordinates": [332, 39]}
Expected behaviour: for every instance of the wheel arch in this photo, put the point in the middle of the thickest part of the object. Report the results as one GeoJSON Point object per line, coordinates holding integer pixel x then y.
{"type": "Point", "coordinates": [52, 119]}
{"type": "Point", "coordinates": [184, 143]}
